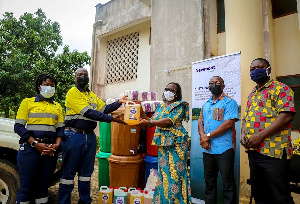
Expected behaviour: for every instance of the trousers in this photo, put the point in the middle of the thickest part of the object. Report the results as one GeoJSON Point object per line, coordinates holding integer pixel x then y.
{"type": "Point", "coordinates": [213, 163]}
{"type": "Point", "coordinates": [78, 154]}
{"type": "Point", "coordinates": [269, 179]}
{"type": "Point", "coordinates": [35, 173]}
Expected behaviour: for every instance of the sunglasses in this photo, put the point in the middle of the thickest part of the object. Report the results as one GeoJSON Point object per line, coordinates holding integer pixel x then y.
{"type": "Point", "coordinates": [172, 90]}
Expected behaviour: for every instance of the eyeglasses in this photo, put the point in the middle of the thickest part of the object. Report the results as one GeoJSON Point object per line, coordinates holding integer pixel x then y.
{"type": "Point", "coordinates": [172, 90]}
{"type": "Point", "coordinates": [217, 83]}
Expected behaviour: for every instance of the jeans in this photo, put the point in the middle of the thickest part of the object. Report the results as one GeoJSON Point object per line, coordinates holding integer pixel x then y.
{"type": "Point", "coordinates": [35, 172]}
{"type": "Point", "coordinates": [78, 154]}
{"type": "Point", "coordinates": [269, 179]}
{"type": "Point", "coordinates": [213, 163]}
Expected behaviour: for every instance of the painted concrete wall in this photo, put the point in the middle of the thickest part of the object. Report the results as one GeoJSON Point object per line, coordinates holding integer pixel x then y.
{"type": "Point", "coordinates": [287, 45]}
{"type": "Point", "coordinates": [218, 40]}
{"type": "Point", "coordinates": [142, 82]}
{"type": "Point", "coordinates": [176, 42]}
{"type": "Point", "coordinates": [115, 19]}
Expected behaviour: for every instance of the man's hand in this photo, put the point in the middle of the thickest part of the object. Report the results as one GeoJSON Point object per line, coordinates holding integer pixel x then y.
{"type": "Point", "coordinates": [117, 119]}
{"type": "Point", "coordinates": [254, 141]}
{"type": "Point", "coordinates": [205, 138]}
{"type": "Point", "coordinates": [244, 138]}
{"type": "Point", "coordinates": [205, 145]}
{"type": "Point", "coordinates": [124, 99]}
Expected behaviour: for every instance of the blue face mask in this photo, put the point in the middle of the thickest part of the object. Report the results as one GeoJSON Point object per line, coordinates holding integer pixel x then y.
{"type": "Point", "coordinates": [259, 75]}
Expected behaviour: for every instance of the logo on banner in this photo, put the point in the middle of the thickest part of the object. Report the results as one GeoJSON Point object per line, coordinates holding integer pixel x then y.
{"type": "Point", "coordinates": [211, 69]}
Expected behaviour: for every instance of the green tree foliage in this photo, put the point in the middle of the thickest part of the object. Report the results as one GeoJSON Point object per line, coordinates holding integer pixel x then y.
{"type": "Point", "coordinates": [28, 47]}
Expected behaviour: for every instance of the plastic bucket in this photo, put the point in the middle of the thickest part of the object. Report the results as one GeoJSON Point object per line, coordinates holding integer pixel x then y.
{"type": "Point", "coordinates": [124, 170]}
{"type": "Point", "coordinates": [105, 136]}
{"type": "Point", "coordinates": [124, 139]}
{"type": "Point", "coordinates": [150, 163]}
{"type": "Point", "coordinates": [103, 168]}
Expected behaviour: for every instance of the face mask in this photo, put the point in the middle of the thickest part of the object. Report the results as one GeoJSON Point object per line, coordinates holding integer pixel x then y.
{"type": "Point", "coordinates": [169, 96]}
{"type": "Point", "coordinates": [216, 90]}
{"type": "Point", "coordinates": [47, 91]}
{"type": "Point", "coordinates": [82, 81]}
{"type": "Point", "coordinates": [259, 75]}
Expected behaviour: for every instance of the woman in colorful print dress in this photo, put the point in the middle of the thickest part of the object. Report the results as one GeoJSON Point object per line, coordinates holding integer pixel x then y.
{"type": "Point", "coordinates": [173, 185]}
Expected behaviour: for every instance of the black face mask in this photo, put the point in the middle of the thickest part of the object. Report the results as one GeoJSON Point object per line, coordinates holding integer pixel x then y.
{"type": "Point", "coordinates": [82, 81]}
{"type": "Point", "coordinates": [216, 90]}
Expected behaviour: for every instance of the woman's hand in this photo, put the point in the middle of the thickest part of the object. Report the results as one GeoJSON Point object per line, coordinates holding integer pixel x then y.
{"type": "Point", "coordinates": [144, 122]}
{"type": "Point", "coordinates": [45, 149]}
{"type": "Point", "coordinates": [124, 99]}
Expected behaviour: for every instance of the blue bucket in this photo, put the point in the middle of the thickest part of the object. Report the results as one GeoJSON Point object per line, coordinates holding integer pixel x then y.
{"type": "Point", "coordinates": [150, 163]}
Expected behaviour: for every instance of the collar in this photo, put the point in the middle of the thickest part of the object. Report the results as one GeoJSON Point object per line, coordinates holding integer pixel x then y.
{"type": "Point", "coordinates": [268, 84]}
{"type": "Point", "coordinates": [38, 98]}
{"type": "Point", "coordinates": [81, 90]}
{"type": "Point", "coordinates": [221, 97]}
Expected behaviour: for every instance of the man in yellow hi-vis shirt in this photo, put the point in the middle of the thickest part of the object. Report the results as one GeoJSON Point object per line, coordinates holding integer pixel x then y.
{"type": "Point", "coordinates": [83, 109]}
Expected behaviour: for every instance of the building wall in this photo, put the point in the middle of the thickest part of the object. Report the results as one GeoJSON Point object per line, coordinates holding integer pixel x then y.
{"type": "Point", "coordinates": [287, 45]}
{"type": "Point", "coordinates": [218, 40]}
{"type": "Point", "coordinates": [115, 19]}
{"type": "Point", "coordinates": [176, 42]}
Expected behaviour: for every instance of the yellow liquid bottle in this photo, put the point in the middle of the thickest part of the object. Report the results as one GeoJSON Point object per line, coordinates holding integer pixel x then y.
{"type": "Point", "coordinates": [136, 197]}
{"type": "Point", "coordinates": [105, 195]}
{"type": "Point", "coordinates": [132, 113]}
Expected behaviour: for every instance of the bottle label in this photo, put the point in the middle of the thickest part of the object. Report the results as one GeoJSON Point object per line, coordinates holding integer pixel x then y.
{"type": "Point", "coordinates": [137, 201]}
{"type": "Point", "coordinates": [105, 197]}
{"type": "Point", "coordinates": [132, 111]}
{"type": "Point", "coordinates": [120, 200]}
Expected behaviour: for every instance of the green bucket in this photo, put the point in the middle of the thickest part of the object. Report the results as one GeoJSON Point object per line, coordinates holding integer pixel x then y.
{"type": "Point", "coordinates": [105, 136]}
{"type": "Point", "coordinates": [103, 169]}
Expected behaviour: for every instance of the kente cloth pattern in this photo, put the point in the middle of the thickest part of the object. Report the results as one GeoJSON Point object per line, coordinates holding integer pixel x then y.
{"type": "Point", "coordinates": [263, 107]}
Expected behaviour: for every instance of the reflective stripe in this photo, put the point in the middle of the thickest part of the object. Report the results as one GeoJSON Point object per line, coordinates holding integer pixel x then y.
{"type": "Point", "coordinates": [85, 109]}
{"type": "Point", "coordinates": [58, 125]}
{"type": "Point", "coordinates": [67, 109]}
{"type": "Point", "coordinates": [66, 182]}
{"type": "Point", "coordinates": [82, 178]}
{"type": "Point", "coordinates": [43, 115]}
{"type": "Point", "coordinates": [26, 202]}
{"type": "Point", "coordinates": [102, 109]}
{"type": "Point", "coordinates": [94, 105]}
{"type": "Point", "coordinates": [41, 200]}
{"type": "Point", "coordinates": [74, 117]}
{"type": "Point", "coordinates": [41, 128]}
{"type": "Point", "coordinates": [20, 121]}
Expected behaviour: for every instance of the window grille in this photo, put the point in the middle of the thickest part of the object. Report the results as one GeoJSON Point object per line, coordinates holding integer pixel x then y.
{"type": "Point", "coordinates": [122, 58]}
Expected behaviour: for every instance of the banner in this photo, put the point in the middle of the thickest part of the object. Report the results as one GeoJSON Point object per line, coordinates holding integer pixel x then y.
{"type": "Point", "coordinates": [228, 67]}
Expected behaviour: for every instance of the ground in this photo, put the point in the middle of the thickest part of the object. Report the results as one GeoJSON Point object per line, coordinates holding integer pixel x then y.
{"type": "Point", "coordinates": [53, 191]}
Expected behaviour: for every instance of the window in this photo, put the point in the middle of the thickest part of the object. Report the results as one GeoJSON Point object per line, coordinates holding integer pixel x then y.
{"type": "Point", "coordinates": [122, 59]}
{"type": "Point", "coordinates": [221, 16]}
{"type": "Point", "coordinates": [294, 82]}
{"type": "Point", "coordinates": [283, 7]}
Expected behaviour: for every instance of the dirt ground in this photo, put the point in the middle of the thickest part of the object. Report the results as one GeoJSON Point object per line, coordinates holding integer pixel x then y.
{"type": "Point", "coordinates": [53, 191]}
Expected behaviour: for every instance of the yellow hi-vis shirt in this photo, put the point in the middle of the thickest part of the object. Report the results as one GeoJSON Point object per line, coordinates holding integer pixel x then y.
{"type": "Point", "coordinates": [83, 109]}
{"type": "Point", "coordinates": [41, 118]}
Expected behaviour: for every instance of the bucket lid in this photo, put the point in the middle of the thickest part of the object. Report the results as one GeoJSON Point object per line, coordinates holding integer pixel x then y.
{"type": "Point", "coordinates": [125, 159]}
{"type": "Point", "coordinates": [150, 159]}
{"type": "Point", "coordinates": [103, 155]}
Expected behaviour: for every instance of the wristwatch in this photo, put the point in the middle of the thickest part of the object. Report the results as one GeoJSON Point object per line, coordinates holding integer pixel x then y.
{"type": "Point", "coordinates": [208, 134]}
{"type": "Point", "coordinates": [33, 143]}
